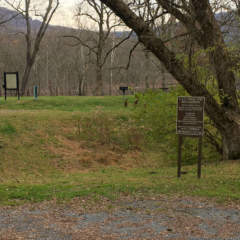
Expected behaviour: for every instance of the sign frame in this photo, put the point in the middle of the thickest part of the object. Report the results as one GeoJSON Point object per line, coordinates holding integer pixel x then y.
{"type": "Point", "coordinates": [190, 116]}
{"type": "Point", "coordinates": [123, 89]}
{"type": "Point", "coordinates": [190, 123]}
{"type": "Point", "coordinates": [5, 85]}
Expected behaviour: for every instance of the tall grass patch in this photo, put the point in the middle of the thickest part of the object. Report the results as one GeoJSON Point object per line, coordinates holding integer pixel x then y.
{"type": "Point", "coordinates": [118, 131]}
{"type": "Point", "coordinates": [7, 128]}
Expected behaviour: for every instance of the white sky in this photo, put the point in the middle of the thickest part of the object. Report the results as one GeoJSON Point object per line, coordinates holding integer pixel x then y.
{"type": "Point", "coordinates": [65, 13]}
{"type": "Point", "coordinates": [63, 16]}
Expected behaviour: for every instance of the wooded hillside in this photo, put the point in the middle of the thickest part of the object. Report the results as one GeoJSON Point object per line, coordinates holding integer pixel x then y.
{"type": "Point", "coordinates": [65, 67]}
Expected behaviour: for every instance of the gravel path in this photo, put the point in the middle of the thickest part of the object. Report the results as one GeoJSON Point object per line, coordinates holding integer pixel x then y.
{"type": "Point", "coordinates": [158, 218]}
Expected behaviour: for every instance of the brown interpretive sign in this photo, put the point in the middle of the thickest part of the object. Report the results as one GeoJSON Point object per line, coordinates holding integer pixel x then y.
{"type": "Point", "coordinates": [190, 119]}
{"type": "Point", "coordinates": [190, 114]}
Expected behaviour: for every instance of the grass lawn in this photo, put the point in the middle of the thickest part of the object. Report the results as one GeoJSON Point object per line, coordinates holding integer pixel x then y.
{"type": "Point", "coordinates": [66, 147]}
{"type": "Point", "coordinates": [62, 103]}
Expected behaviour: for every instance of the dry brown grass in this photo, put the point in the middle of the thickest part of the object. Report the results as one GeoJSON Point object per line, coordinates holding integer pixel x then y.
{"type": "Point", "coordinates": [47, 143]}
{"type": "Point", "coordinates": [74, 155]}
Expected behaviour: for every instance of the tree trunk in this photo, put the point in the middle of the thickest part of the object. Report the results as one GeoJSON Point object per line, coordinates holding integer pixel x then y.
{"type": "Point", "coordinates": [81, 84]}
{"type": "Point", "coordinates": [25, 78]}
{"type": "Point", "coordinates": [82, 74]}
{"type": "Point", "coordinates": [225, 116]}
{"type": "Point", "coordinates": [50, 87]}
{"type": "Point", "coordinates": [99, 63]}
{"type": "Point", "coordinates": [146, 78]}
{"type": "Point", "coordinates": [164, 85]}
{"type": "Point", "coordinates": [99, 82]}
{"type": "Point", "coordinates": [231, 142]}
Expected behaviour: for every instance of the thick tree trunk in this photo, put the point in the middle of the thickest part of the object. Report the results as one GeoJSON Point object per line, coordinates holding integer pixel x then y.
{"type": "Point", "coordinates": [25, 78]}
{"type": "Point", "coordinates": [225, 116]}
{"type": "Point", "coordinates": [231, 142]}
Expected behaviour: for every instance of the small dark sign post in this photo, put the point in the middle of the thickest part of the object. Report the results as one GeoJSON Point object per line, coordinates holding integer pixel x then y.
{"type": "Point", "coordinates": [190, 120]}
{"type": "Point", "coordinates": [123, 89]}
{"type": "Point", "coordinates": [35, 92]}
{"type": "Point", "coordinates": [11, 83]}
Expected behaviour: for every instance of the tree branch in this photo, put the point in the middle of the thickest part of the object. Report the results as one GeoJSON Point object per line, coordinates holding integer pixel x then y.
{"type": "Point", "coordinates": [116, 46]}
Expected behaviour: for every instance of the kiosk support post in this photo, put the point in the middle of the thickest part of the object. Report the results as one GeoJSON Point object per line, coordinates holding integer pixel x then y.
{"type": "Point", "coordinates": [200, 157]}
{"type": "Point", "coordinates": [180, 140]}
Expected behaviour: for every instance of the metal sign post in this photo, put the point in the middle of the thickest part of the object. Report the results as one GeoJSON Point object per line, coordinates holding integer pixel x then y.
{"type": "Point", "coordinates": [35, 92]}
{"type": "Point", "coordinates": [123, 89]}
{"type": "Point", "coordinates": [190, 123]}
{"type": "Point", "coordinates": [11, 83]}
{"type": "Point", "coordinates": [200, 157]}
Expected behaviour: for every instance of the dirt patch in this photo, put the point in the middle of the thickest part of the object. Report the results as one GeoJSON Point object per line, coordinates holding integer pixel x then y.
{"type": "Point", "coordinates": [135, 219]}
{"type": "Point", "coordinates": [71, 155]}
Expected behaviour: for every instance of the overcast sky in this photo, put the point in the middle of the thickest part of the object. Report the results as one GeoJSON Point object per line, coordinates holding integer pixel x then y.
{"type": "Point", "coordinates": [64, 15]}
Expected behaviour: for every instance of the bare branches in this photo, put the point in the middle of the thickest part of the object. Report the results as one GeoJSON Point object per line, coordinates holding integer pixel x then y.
{"type": "Point", "coordinates": [47, 17]}
{"type": "Point", "coordinates": [116, 46]}
{"type": "Point", "coordinates": [81, 42]}
{"type": "Point", "coordinates": [176, 37]}
{"type": "Point", "coordinates": [9, 19]}
{"type": "Point", "coordinates": [131, 53]}
{"type": "Point", "coordinates": [25, 9]}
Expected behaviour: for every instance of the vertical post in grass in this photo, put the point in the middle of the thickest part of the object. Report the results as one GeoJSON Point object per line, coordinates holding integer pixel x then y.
{"type": "Point", "coordinates": [5, 92]}
{"type": "Point", "coordinates": [200, 157]}
{"type": "Point", "coordinates": [180, 140]}
{"type": "Point", "coordinates": [124, 89]}
{"type": "Point", "coordinates": [35, 92]}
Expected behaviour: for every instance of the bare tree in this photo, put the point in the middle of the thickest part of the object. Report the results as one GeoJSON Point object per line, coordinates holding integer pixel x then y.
{"type": "Point", "coordinates": [33, 40]}
{"type": "Point", "coordinates": [200, 23]}
{"type": "Point", "coordinates": [3, 21]}
{"type": "Point", "coordinates": [80, 66]}
{"type": "Point", "coordinates": [97, 41]}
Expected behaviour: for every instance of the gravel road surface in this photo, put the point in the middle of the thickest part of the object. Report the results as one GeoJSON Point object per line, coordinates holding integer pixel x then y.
{"type": "Point", "coordinates": [127, 219]}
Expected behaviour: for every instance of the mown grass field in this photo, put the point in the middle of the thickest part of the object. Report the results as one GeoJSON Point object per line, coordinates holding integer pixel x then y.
{"type": "Point", "coordinates": [66, 147]}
